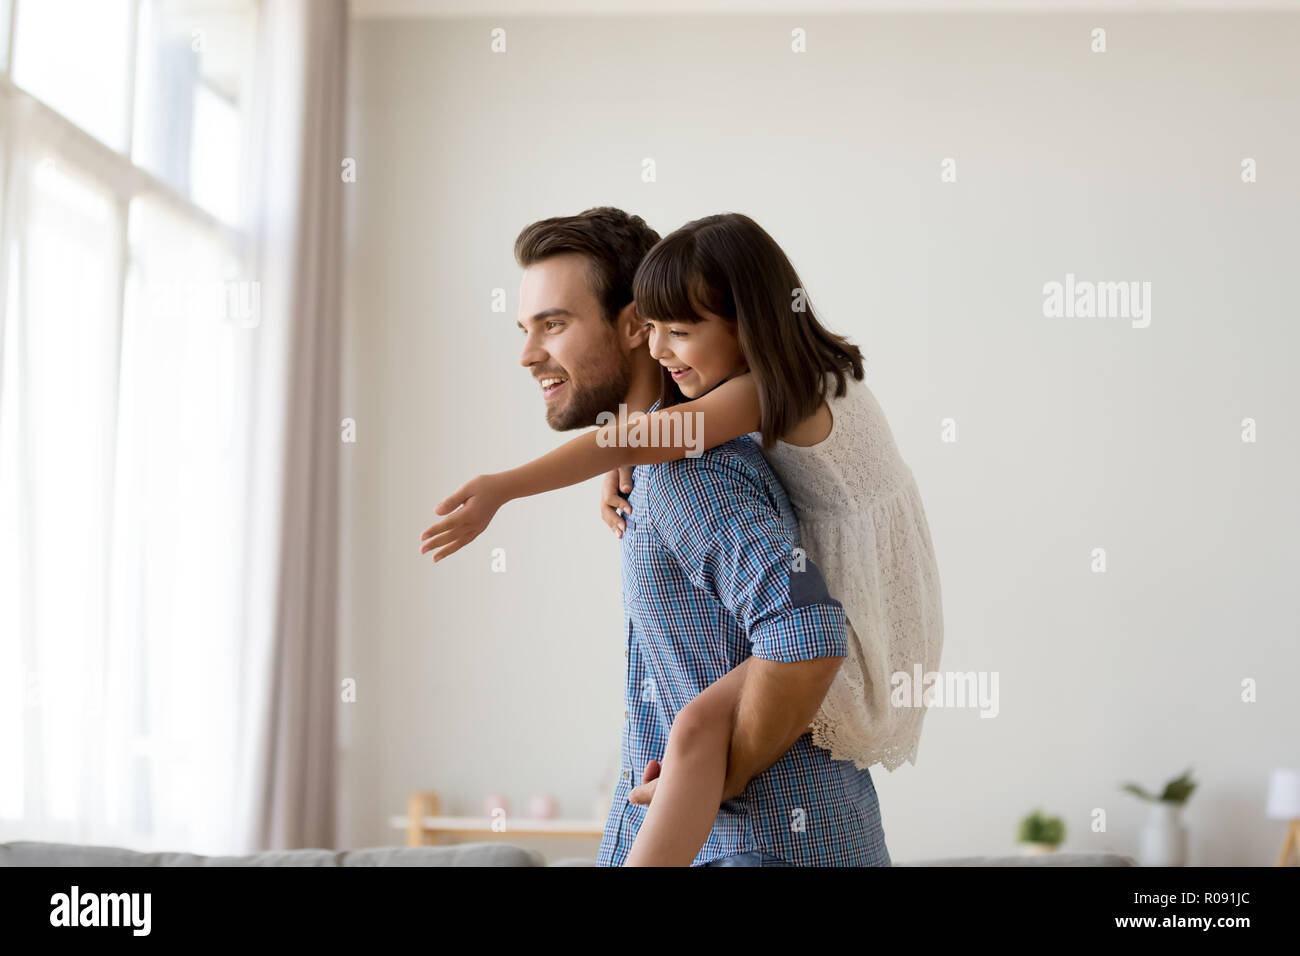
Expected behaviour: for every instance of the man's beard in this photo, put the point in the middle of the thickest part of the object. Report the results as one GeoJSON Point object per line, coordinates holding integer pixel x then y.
{"type": "Point", "coordinates": [587, 402]}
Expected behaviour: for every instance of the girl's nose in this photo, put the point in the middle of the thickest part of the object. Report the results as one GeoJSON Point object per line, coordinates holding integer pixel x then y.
{"type": "Point", "coordinates": [657, 350]}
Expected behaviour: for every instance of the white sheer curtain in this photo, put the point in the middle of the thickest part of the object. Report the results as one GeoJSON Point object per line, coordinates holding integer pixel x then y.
{"type": "Point", "coordinates": [168, 420]}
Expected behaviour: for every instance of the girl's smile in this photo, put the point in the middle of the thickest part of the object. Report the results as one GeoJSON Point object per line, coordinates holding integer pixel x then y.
{"type": "Point", "coordinates": [698, 355]}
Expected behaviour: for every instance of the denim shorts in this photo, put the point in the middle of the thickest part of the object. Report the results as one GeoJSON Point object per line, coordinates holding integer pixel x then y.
{"type": "Point", "coordinates": [753, 858]}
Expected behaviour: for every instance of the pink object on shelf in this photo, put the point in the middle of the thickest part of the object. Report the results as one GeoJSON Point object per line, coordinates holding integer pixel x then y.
{"type": "Point", "coordinates": [494, 801]}
{"type": "Point", "coordinates": [542, 806]}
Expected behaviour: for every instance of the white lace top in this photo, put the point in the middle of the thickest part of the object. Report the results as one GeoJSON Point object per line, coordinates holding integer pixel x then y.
{"type": "Point", "coordinates": [862, 523]}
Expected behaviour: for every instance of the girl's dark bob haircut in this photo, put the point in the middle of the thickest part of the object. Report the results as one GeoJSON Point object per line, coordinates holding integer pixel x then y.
{"type": "Point", "coordinates": [727, 265]}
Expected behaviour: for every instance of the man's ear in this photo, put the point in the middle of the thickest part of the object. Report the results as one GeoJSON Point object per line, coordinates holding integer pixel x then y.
{"type": "Point", "coordinates": [631, 327]}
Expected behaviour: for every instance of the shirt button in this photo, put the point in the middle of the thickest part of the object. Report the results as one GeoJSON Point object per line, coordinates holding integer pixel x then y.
{"type": "Point", "coordinates": [627, 775]}
{"type": "Point", "coordinates": [625, 652]}
{"type": "Point", "coordinates": [625, 715]}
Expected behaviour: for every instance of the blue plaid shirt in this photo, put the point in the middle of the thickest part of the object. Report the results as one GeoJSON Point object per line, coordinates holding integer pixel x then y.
{"type": "Point", "coordinates": [706, 583]}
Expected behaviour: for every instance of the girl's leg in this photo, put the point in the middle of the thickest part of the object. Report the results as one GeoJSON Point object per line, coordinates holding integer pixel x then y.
{"type": "Point", "coordinates": [689, 791]}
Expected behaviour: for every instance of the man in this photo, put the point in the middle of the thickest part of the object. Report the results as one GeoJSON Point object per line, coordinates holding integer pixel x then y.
{"type": "Point", "coordinates": [708, 578]}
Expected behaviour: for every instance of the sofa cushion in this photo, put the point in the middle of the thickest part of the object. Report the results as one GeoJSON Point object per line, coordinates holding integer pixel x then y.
{"type": "Point", "coordinates": [1044, 859]}
{"type": "Point", "coordinates": [33, 853]}
{"type": "Point", "coordinates": [1037, 859]}
{"type": "Point", "coordinates": [460, 854]}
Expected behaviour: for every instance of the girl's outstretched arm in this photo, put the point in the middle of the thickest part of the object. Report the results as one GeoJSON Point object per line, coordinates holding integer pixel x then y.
{"type": "Point", "coordinates": [726, 412]}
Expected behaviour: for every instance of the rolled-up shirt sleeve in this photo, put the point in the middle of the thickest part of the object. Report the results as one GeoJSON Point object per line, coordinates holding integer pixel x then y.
{"type": "Point", "coordinates": [720, 525]}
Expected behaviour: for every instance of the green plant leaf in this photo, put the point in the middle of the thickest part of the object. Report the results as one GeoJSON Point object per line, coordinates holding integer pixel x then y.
{"type": "Point", "coordinates": [1037, 828]}
{"type": "Point", "coordinates": [1179, 789]}
{"type": "Point", "coordinates": [1135, 789]}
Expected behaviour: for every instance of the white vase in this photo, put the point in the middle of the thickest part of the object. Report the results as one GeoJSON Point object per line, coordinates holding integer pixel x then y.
{"type": "Point", "coordinates": [1164, 838]}
{"type": "Point", "coordinates": [1036, 849]}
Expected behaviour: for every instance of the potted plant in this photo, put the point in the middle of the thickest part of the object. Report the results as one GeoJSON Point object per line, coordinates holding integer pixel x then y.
{"type": "Point", "coordinates": [1163, 840]}
{"type": "Point", "coordinates": [1040, 834]}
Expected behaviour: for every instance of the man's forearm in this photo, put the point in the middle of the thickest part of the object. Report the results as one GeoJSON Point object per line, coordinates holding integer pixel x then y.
{"type": "Point", "coordinates": [776, 705]}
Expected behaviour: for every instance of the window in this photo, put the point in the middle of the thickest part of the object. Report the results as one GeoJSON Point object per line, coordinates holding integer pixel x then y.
{"type": "Point", "coordinates": [192, 78]}
{"type": "Point", "coordinates": [123, 142]}
{"type": "Point", "coordinates": [73, 56]}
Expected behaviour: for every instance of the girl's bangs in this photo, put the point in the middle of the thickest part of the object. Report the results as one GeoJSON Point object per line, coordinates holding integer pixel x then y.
{"type": "Point", "coordinates": [662, 284]}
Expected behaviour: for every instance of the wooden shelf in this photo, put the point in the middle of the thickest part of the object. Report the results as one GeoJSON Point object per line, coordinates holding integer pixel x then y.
{"type": "Point", "coordinates": [424, 825]}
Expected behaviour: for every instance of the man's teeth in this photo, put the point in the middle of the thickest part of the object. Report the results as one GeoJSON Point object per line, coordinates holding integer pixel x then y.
{"type": "Point", "coordinates": [548, 382]}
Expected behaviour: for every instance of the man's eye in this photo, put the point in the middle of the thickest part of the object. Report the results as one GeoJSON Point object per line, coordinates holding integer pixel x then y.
{"type": "Point", "coordinates": [549, 325]}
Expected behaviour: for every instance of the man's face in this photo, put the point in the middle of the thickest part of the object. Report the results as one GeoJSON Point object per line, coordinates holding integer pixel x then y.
{"type": "Point", "coordinates": [573, 353]}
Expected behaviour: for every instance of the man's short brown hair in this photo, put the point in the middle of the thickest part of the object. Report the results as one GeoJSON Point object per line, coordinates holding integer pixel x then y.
{"type": "Point", "coordinates": [613, 242]}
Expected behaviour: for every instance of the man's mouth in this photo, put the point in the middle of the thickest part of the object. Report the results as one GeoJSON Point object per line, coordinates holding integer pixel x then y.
{"type": "Point", "coordinates": [550, 385]}
{"type": "Point", "coordinates": [678, 372]}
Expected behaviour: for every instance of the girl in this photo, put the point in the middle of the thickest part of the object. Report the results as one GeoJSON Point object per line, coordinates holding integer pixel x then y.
{"type": "Point", "coordinates": [740, 346]}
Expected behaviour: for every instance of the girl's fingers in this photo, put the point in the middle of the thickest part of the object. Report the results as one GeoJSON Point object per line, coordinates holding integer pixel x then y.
{"type": "Point", "coordinates": [437, 541]}
{"type": "Point", "coordinates": [434, 530]}
{"type": "Point", "coordinates": [614, 520]}
{"type": "Point", "coordinates": [451, 503]}
{"type": "Point", "coordinates": [451, 550]}
{"type": "Point", "coordinates": [616, 501]}
{"type": "Point", "coordinates": [438, 528]}
{"type": "Point", "coordinates": [625, 478]}
{"type": "Point", "coordinates": [609, 500]}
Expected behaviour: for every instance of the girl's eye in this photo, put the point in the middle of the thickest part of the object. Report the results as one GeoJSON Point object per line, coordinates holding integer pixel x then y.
{"type": "Point", "coordinates": [677, 334]}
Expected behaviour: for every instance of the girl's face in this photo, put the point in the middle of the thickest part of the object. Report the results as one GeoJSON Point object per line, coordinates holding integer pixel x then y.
{"type": "Point", "coordinates": [699, 355]}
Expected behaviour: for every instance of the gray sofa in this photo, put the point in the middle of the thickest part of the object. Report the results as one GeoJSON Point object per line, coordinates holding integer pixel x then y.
{"type": "Point", "coordinates": [30, 853]}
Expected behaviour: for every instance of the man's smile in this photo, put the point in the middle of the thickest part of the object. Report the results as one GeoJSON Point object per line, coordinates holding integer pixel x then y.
{"type": "Point", "coordinates": [550, 385]}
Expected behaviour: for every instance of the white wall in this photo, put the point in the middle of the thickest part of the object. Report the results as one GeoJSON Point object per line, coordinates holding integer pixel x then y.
{"type": "Point", "coordinates": [1072, 433]}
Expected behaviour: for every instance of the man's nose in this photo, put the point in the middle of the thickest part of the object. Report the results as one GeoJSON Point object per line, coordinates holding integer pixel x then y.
{"type": "Point", "coordinates": [532, 353]}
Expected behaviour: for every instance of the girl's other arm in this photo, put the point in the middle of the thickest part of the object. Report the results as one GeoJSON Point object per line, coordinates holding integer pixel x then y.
{"type": "Point", "coordinates": [613, 487]}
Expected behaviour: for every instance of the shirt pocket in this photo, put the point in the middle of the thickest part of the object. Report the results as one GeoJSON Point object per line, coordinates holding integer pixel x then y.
{"type": "Point", "coordinates": [643, 566]}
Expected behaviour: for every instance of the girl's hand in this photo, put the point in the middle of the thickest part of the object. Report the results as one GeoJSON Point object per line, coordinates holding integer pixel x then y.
{"type": "Point", "coordinates": [613, 487]}
{"type": "Point", "coordinates": [471, 509]}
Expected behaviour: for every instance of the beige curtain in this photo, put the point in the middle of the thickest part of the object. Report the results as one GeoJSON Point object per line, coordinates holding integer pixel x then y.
{"type": "Point", "coordinates": [290, 684]}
